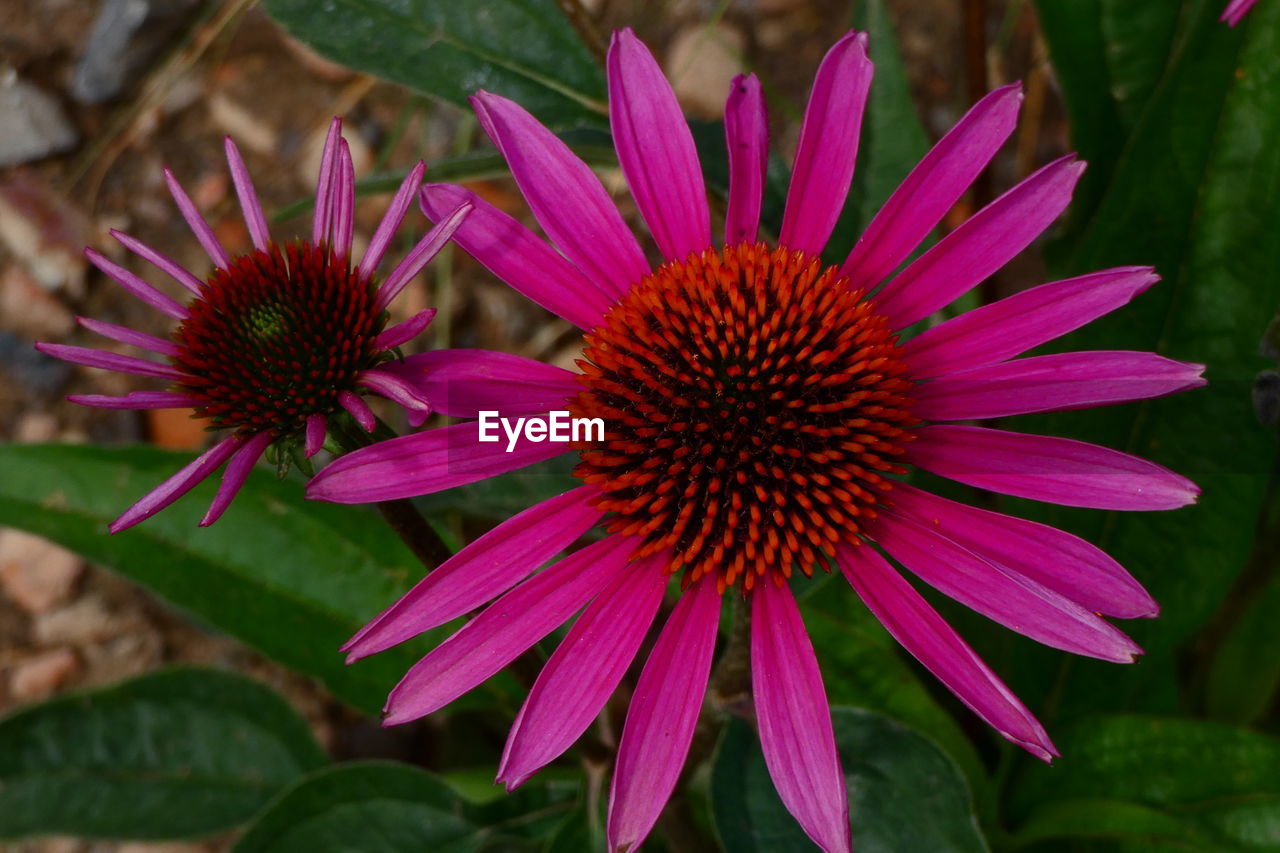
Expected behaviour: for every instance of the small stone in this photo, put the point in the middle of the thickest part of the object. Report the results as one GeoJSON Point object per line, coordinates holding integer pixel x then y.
{"type": "Point", "coordinates": [40, 676]}
{"type": "Point", "coordinates": [33, 427]}
{"type": "Point", "coordinates": [125, 36]}
{"type": "Point", "coordinates": [35, 574]}
{"type": "Point", "coordinates": [243, 126]}
{"type": "Point", "coordinates": [80, 623]}
{"type": "Point", "coordinates": [29, 310]}
{"type": "Point", "coordinates": [40, 374]}
{"type": "Point", "coordinates": [702, 63]}
{"type": "Point", "coordinates": [34, 124]}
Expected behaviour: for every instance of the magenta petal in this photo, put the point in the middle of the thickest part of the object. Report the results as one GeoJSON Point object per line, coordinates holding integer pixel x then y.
{"type": "Point", "coordinates": [136, 286]}
{"type": "Point", "coordinates": [828, 146]}
{"type": "Point", "coordinates": [1064, 563]}
{"type": "Point", "coordinates": [1044, 468]}
{"type": "Point", "coordinates": [421, 254]}
{"type": "Point", "coordinates": [391, 220]}
{"type": "Point", "coordinates": [249, 203]}
{"type": "Point", "coordinates": [132, 337]}
{"type": "Point", "coordinates": [344, 201]}
{"type": "Point", "coordinates": [506, 629]}
{"type": "Point", "coordinates": [408, 396]}
{"type": "Point", "coordinates": [1050, 383]}
{"type": "Point", "coordinates": [196, 222]}
{"type": "Point", "coordinates": [110, 361]}
{"type": "Point", "coordinates": [655, 149]}
{"type": "Point", "coordinates": [461, 383]}
{"type": "Point", "coordinates": [317, 429]}
{"type": "Point", "coordinates": [138, 400]}
{"type": "Point", "coordinates": [584, 671]}
{"type": "Point", "coordinates": [795, 720]}
{"type": "Point", "coordinates": [662, 716]}
{"type": "Point", "coordinates": [930, 640]}
{"type": "Point", "coordinates": [358, 409]}
{"type": "Point", "coordinates": [1024, 320]}
{"type": "Point", "coordinates": [932, 188]}
{"type": "Point", "coordinates": [237, 471]}
{"type": "Point", "coordinates": [1016, 602]}
{"type": "Point", "coordinates": [565, 196]}
{"type": "Point", "coordinates": [480, 572]}
{"type": "Point", "coordinates": [179, 484]}
{"type": "Point", "coordinates": [1236, 10]}
{"type": "Point", "coordinates": [516, 255]}
{"type": "Point", "coordinates": [176, 271]}
{"type": "Point", "coordinates": [746, 134]}
{"type": "Point", "coordinates": [401, 333]}
{"type": "Point", "coordinates": [982, 245]}
{"type": "Point", "coordinates": [424, 463]}
{"type": "Point", "coordinates": [322, 219]}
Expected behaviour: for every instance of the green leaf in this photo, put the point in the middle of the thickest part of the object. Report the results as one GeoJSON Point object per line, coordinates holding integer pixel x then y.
{"type": "Point", "coordinates": [176, 753]}
{"type": "Point", "coordinates": [905, 796]}
{"type": "Point", "coordinates": [522, 49]}
{"type": "Point", "coordinates": [385, 807]}
{"type": "Point", "coordinates": [290, 577]}
{"type": "Point", "coordinates": [1245, 675]}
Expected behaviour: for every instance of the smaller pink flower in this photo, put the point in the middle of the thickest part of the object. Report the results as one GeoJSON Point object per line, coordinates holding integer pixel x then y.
{"type": "Point", "coordinates": [1236, 10]}
{"type": "Point", "coordinates": [276, 340]}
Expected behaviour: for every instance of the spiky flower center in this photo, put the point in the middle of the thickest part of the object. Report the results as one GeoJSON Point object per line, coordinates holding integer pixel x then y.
{"type": "Point", "coordinates": [753, 404]}
{"type": "Point", "coordinates": [276, 337]}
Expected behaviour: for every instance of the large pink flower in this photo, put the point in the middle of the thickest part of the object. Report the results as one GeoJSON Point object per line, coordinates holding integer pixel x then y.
{"type": "Point", "coordinates": [1236, 10]}
{"type": "Point", "coordinates": [275, 341]}
{"type": "Point", "coordinates": [758, 409]}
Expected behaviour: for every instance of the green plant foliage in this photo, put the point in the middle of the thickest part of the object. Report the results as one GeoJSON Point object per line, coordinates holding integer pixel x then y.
{"type": "Point", "coordinates": [176, 753]}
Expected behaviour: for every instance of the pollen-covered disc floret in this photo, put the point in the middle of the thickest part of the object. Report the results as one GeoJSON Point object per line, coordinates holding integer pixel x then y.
{"type": "Point", "coordinates": [754, 407]}
{"type": "Point", "coordinates": [276, 337]}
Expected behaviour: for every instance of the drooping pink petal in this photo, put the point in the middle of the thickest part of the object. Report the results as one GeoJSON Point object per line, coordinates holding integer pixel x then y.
{"type": "Point", "coordinates": [110, 361]}
{"type": "Point", "coordinates": [237, 471]}
{"type": "Point", "coordinates": [930, 640]}
{"type": "Point", "coordinates": [132, 337]}
{"type": "Point", "coordinates": [391, 220]}
{"type": "Point", "coordinates": [317, 429]}
{"type": "Point", "coordinates": [344, 201]}
{"type": "Point", "coordinates": [461, 383]}
{"type": "Point", "coordinates": [583, 672]}
{"type": "Point", "coordinates": [358, 409]}
{"type": "Point", "coordinates": [982, 245]}
{"type": "Point", "coordinates": [1064, 563]}
{"type": "Point", "coordinates": [517, 256]}
{"type": "Point", "coordinates": [565, 196]}
{"type": "Point", "coordinates": [1044, 468]}
{"type": "Point", "coordinates": [428, 247]}
{"type": "Point", "coordinates": [480, 572]}
{"type": "Point", "coordinates": [1024, 320]}
{"type": "Point", "coordinates": [249, 204]}
{"type": "Point", "coordinates": [137, 400]}
{"type": "Point", "coordinates": [402, 333]}
{"type": "Point", "coordinates": [322, 219]}
{"type": "Point", "coordinates": [1050, 383]}
{"type": "Point", "coordinates": [932, 188]}
{"type": "Point", "coordinates": [179, 484]}
{"type": "Point", "coordinates": [795, 720]}
{"type": "Point", "coordinates": [136, 286]}
{"type": "Point", "coordinates": [655, 149]}
{"type": "Point", "coordinates": [196, 222]}
{"type": "Point", "coordinates": [176, 271]}
{"type": "Point", "coordinates": [1236, 10]}
{"type": "Point", "coordinates": [417, 407]}
{"type": "Point", "coordinates": [425, 463]}
{"type": "Point", "coordinates": [746, 133]}
{"type": "Point", "coordinates": [506, 629]}
{"type": "Point", "coordinates": [662, 715]}
{"type": "Point", "coordinates": [1016, 602]}
{"type": "Point", "coordinates": [828, 146]}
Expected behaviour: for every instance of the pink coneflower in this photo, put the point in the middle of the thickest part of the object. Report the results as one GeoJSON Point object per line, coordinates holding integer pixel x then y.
{"type": "Point", "coordinates": [759, 410]}
{"type": "Point", "coordinates": [1236, 10]}
{"type": "Point", "coordinates": [275, 341]}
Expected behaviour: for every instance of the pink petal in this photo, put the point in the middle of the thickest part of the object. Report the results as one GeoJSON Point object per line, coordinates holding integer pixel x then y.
{"type": "Point", "coordinates": [515, 255]}
{"type": "Point", "coordinates": [655, 149]}
{"type": "Point", "coordinates": [746, 133]}
{"type": "Point", "coordinates": [1236, 10]}
{"type": "Point", "coordinates": [1016, 602]}
{"type": "Point", "coordinates": [930, 640]}
{"type": "Point", "coordinates": [1064, 563]}
{"type": "Point", "coordinates": [391, 220]}
{"type": "Point", "coordinates": [138, 400]}
{"type": "Point", "coordinates": [317, 429]}
{"type": "Point", "coordinates": [1043, 468]}
{"type": "Point", "coordinates": [461, 383]}
{"type": "Point", "coordinates": [401, 333]}
{"type": "Point", "coordinates": [358, 409]}
{"type": "Point", "coordinates": [196, 222]}
{"type": "Point", "coordinates": [237, 471]}
{"type": "Point", "coordinates": [110, 361]}
{"type": "Point", "coordinates": [136, 286]}
{"type": "Point", "coordinates": [416, 405]}
{"type": "Point", "coordinates": [428, 247]}
{"type": "Point", "coordinates": [424, 463]}
{"type": "Point", "coordinates": [506, 629]}
{"type": "Point", "coordinates": [1024, 320]}
{"type": "Point", "coordinates": [480, 572]}
{"type": "Point", "coordinates": [982, 245]}
{"type": "Point", "coordinates": [662, 716]}
{"type": "Point", "coordinates": [828, 146]}
{"type": "Point", "coordinates": [1050, 383]}
{"type": "Point", "coordinates": [249, 203]}
{"type": "Point", "coordinates": [584, 671]}
{"type": "Point", "coordinates": [344, 201]}
{"type": "Point", "coordinates": [932, 188]}
{"type": "Point", "coordinates": [176, 271]}
{"type": "Point", "coordinates": [565, 196]}
{"type": "Point", "coordinates": [322, 219]}
{"type": "Point", "coordinates": [132, 337]}
{"type": "Point", "coordinates": [179, 484]}
{"type": "Point", "coordinates": [795, 720]}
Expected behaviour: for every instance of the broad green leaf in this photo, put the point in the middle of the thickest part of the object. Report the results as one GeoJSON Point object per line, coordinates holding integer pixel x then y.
{"type": "Point", "coordinates": [1245, 672]}
{"type": "Point", "coordinates": [522, 49]}
{"type": "Point", "coordinates": [173, 754]}
{"type": "Point", "coordinates": [905, 796]}
{"type": "Point", "coordinates": [385, 807]}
